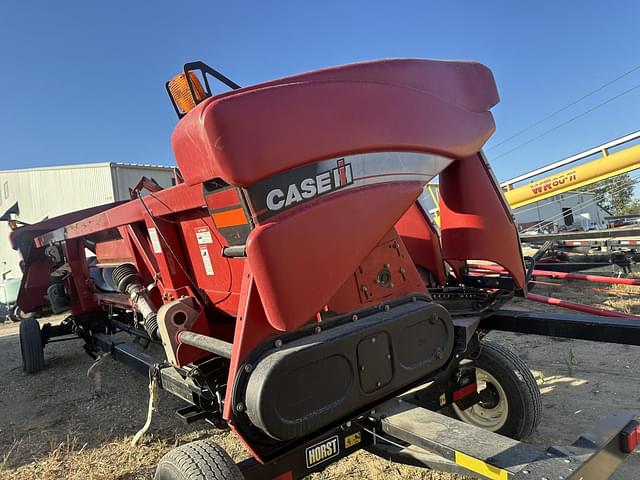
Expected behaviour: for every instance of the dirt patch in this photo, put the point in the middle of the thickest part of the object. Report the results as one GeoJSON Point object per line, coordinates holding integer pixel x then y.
{"type": "Point", "coordinates": [62, 424]}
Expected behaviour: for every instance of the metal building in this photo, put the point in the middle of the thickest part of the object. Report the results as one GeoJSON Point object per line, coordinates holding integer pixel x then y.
{"type": "Point", "coordinates": [570, 210]}
{"type": "Point", "coordinates": [47, 192]}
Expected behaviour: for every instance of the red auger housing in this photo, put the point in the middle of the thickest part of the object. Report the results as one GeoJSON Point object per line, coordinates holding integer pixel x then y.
{"type": "Point", "coordinates": [294, 252]}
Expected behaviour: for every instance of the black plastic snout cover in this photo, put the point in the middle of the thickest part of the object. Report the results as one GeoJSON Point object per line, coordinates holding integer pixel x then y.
{"type": "Point", "coordinates": [317, 380]}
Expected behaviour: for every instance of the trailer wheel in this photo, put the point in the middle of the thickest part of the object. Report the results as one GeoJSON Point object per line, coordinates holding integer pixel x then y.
{"type": "Point", "coordinates": [200, 460]}
{"type": "Point", "coordinates": [512, 403]}
{"type": "Point", "coordinates": [31, 345]}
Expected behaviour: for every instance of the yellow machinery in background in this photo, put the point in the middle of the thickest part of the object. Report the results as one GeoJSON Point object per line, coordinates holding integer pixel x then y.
{"type": "Point", "coordinates": [607, 164]}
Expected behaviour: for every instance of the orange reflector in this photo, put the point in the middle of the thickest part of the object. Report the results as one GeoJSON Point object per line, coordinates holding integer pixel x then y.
{"type": "Point", "coordinates": [179, 89]}
{"type": "Point", "coordinates": [230, 218]}
{"type": "Point", "coordinates": [630, 437]}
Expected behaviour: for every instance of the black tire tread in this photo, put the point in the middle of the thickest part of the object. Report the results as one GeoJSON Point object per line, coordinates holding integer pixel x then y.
{"type": "Point", "coordinates": [199, 460]}
{"type": "Point", "coordinates": [31, 346]}
{"type": "Point", "coordinates": [526, 383]}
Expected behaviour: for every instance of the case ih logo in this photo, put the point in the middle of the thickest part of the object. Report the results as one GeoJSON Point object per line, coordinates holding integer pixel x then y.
{"type": "Point", "coordinates": [310, 187]}
{"type": "Point", "coordinates": [542, 187]}
{"type": "Point", "coordinates": [322, 451]}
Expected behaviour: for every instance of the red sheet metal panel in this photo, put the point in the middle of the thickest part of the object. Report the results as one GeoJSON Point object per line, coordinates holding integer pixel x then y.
{"type": "Point", "coordinates": [475, 221]}
{"type": "Point", "coordinates": [113, 252]}
{"type": "Point", "coordinates": [300, 261]}
{"type": "Point", "coordinates": [219, 277]}
{"type": "Point", "coordinates": [465, 83]}
{"type": "Point", "coordinates": [35, 281]}
{"type": "Point", "coordinates": [422, 241]}
{"type": "Point", "coordinates": [170, 201]}
{"type": "Point", "coordinates": [388, 272]}
{"type": "Point", "coordinates": [399, 105]}
{"type": "Point", "coordinates": [251, 329]}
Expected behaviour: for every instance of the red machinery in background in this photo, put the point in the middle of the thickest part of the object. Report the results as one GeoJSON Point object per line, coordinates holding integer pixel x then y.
{"type": "Point", "coordinates": [291, 278]}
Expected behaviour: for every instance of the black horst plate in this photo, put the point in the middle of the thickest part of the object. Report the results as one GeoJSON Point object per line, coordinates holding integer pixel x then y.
{"type": "Point", "coordinates": [314, 381]}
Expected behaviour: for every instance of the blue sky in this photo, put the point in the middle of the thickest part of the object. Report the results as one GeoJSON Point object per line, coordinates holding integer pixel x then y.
{"type": "Point", "coordinates": [83, 81]}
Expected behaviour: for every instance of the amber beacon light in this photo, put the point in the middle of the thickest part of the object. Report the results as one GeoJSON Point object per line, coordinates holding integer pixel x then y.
{"type": "Point", "coordinates": [187, 90]}
{"type": "Point", "coordinates": [181, 93]}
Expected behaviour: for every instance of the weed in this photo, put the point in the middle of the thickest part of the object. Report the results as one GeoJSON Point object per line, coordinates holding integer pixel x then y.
{"type": "Point", "coordinates": [570, 361]}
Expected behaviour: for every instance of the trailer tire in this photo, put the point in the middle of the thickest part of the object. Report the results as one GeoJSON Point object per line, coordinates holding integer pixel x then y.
{"type": "Point", "coordinates": [31, 345]}
{"type": "Point", "coordinates": [515, 390]}
{"type": "Point", "coordinates": [200, 460]}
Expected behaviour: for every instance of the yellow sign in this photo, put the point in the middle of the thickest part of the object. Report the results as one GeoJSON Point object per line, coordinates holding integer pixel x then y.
{"type": "Point", "coordinates": [353, 439]}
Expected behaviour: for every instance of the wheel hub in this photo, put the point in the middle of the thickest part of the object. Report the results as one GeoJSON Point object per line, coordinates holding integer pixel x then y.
{"type": "Point", "coordinates": [492, 411]}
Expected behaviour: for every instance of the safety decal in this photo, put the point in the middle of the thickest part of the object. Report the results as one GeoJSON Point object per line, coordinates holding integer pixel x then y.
{"type": "Point", "coordinates": [155, 241]}
{"type": "Point", "coordinates": [203, 235]}
{"type": "Point", "coordinates": [206, 260]}
{"type": "Point", "coordinates": [353, 439]}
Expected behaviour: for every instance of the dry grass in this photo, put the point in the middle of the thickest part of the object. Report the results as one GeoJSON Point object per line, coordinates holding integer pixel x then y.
{"type": "Point", "coordinates": [114, 459]}
{"type": "Point", "coordinates": [117, 459]}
